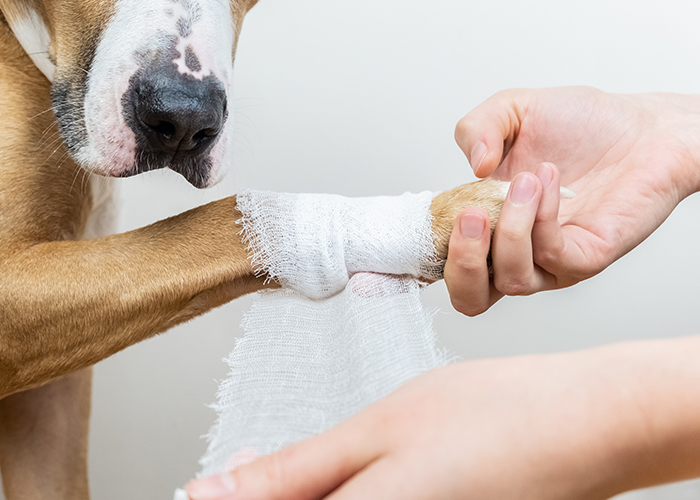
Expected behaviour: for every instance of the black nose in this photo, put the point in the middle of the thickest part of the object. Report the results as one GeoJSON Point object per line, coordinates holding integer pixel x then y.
{"type": "Point", "coordinates": [178, 114]}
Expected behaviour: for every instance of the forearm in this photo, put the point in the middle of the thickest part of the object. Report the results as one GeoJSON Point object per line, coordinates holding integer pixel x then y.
{"type": "Point", "coordinates": [647, 415]}
{"type": "Point", "coordinates": [66, 305]}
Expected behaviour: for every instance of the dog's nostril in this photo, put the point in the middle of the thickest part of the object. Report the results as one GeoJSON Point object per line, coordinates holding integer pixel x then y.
{"type": "Point", "coordinates": [207, 133]}
{"type": "Point", "coordinates": [165, 129]}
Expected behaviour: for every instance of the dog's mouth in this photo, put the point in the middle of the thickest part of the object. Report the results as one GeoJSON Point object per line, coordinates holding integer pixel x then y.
{"type": "Point", "coordinates": [195, 170]}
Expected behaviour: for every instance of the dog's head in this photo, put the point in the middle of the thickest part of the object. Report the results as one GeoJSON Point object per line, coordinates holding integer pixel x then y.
{"type": "Point", "coordinates": [138, 84]}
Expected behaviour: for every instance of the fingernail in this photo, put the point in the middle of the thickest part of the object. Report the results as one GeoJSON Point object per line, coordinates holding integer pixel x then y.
{"type": "Point", "coordinates": [471, 226]}
{"type": "Point", "coordinates": [523, 189]}
{"type": "Point", "coordinates": [181, 494]}
{"type": "Point", "coordinates": [479, 152]}
{"type": "Point", "coordinates": [545, 174]}
{"type": "Point", "coordinates": [211, 487]}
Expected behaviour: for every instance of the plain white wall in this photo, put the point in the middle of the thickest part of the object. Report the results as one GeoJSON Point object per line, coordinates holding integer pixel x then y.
{"type": "Point", "coordinates": [360, 98]}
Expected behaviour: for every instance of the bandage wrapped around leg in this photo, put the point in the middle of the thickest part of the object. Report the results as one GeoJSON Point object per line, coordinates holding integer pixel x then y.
{"type": "Point", "coordinates": [313, 243]}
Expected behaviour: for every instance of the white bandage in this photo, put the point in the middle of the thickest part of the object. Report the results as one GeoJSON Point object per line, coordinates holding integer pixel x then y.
{"type": "Point", "coordinates": [313, 243]}
{"type": "Point", "coordinates": [342, 338]}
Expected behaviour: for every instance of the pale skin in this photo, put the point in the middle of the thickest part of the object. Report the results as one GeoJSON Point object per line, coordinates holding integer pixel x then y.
{"type": "Point", "coordinates": [629, 159]}
{"type": "Point", "coordinates": [584, 425]}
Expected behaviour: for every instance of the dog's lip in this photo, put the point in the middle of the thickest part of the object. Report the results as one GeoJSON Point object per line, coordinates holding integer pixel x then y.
{"type": "Point", "coordinates": [197, 171]}
{"type": "Point", "coordinates": [199, 183]}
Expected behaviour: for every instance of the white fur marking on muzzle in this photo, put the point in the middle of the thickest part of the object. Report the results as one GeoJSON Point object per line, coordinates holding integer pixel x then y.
{"type": "Point", "coordinates": [203, 33]}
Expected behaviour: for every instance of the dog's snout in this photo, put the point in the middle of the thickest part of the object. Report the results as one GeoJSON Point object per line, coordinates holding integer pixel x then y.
{"type": "Point", "coordinates": [179, 115]}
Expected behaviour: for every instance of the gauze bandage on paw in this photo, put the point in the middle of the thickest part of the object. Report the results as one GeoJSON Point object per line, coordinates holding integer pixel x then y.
{"type": "Point", "coordinates": [339, 337]}
{"type": "Point", "coordinates": [313, 243]}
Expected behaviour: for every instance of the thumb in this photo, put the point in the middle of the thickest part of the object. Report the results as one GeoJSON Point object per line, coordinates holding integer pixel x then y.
{"type": "Point", "coordinates": [304, 471]}
{"type": "Point", "coordinates": [485, 130]}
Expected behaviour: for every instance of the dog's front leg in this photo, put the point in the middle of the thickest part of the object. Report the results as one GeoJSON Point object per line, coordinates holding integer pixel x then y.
{"type": "Point", "coordinates": [65, 305]}
{"type": "Point", "coordinates": [43, 440]}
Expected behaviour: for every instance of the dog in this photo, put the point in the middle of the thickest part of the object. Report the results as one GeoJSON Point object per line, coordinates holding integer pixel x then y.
{"type": "Point", "coordinates": [91, 91]}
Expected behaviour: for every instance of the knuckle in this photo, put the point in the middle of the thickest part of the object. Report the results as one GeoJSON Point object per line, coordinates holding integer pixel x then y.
{"type": "Point", "coordinates": [471, 265]}
{"type": "Point", "coordinates": [464, 129]}
{"type": "Point", "coordinates": [466, 307]}
{"type": "Point", "coordinates": [586, 270]}
{"type": "Point", "coordinates": [511, 233]}
{"type": "Point", "coordinates": [502, 97]}
{"type": "Point", "coordinates": [472, 313]}
{"type": "Point", "coordinates": [514, 287]}
{"type": "Point", "coordinates": [546, 257]}
{"type": "Point", "coordinates": [554, 260]}
{"type": "Point", "coordinates": [274, 475]}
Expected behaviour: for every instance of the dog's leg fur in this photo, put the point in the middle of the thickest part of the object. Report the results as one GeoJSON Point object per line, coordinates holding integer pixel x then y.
{"type": "Point", "coordinates": [44, 438]}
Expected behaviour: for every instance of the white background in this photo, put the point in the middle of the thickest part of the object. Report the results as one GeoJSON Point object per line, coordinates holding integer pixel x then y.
{"type": "Point", "coordinates": [360, 98]}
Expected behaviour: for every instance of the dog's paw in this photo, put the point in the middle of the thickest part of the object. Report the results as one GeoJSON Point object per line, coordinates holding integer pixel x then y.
{"type": "Point", "coordinates": [487, 194]}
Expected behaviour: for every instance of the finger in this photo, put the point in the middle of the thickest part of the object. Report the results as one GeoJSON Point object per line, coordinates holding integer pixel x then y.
{"type": "Point", "coordinates": [515, 272]}
{"type": "Point", "coordinates": [386, 479]}
{"type": "Point", "coordinates": [560, 251]}
{"type": "Point", "coordinates": [466, 270]}
{"type": "Point", "coordinates": [481, 134]}
{"type": "Point", "coordinates": [547, 237]}
{"type": "Point", "coordinates": [307, 470]}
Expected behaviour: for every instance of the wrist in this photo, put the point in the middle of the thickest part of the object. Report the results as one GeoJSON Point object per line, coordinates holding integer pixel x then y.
{"type": "Point", "coordinates": [681, 117]}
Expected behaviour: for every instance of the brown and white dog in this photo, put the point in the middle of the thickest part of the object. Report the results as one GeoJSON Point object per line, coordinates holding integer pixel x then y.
{"type": "Point", "coordinates": [91, 89]}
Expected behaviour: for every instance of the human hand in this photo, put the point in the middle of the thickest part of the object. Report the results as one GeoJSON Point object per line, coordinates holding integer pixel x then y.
{"type": "Point", "coordinates": [630, 159]}
{"type": "Point", "coordinates": [583, 425]}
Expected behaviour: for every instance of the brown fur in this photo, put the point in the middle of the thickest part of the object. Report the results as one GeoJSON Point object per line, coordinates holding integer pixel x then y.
{"type": "Point", "coordinates": [485, 194]}
{"type": "Point", "coordinates": [66, 304]}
